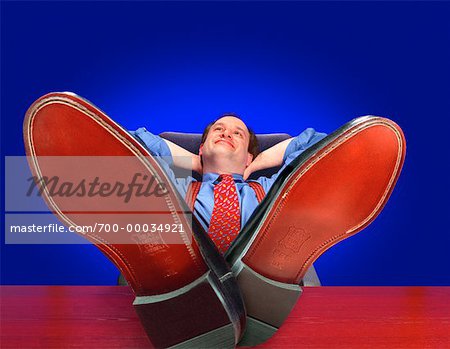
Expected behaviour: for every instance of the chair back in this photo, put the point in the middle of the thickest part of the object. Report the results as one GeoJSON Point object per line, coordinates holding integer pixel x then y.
{"type": "Point", "coordinates": [192, 141]}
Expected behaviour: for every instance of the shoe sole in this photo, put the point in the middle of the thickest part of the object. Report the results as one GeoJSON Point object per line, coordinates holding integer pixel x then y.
{"type": "Point", "coordinates": [330, 192]}
{"type": "Point", "coordinates": [185, 293]}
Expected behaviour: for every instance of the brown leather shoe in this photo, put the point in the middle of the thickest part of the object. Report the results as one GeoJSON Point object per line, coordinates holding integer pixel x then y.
{"type": "Point", "coordinates": [330, 192]}
{"type": "Point", "coordinates": [98, 174]}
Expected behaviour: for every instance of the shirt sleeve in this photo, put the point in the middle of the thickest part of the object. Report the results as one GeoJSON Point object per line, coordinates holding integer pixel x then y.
{"type": "Point", "coordinates": [160, 150]}
{"type": "Point", "coordinates": [154, 144]}
{"type": "Point", "coordinates": [297, 146]}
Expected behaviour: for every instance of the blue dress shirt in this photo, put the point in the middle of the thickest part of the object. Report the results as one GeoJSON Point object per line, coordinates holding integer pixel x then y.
{"type": "Point", "coordinates": [205, 200]}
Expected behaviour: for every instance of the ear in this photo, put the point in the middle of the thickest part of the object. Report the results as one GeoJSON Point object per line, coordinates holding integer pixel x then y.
{"type": "Point", "coordinates": [200, 152]}
{"type": "Point", "coordinates": [249, 159]}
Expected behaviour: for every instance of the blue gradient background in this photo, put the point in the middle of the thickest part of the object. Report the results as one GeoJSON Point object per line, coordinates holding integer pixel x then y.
{"type": "Point", "coordinates": [283, 67]}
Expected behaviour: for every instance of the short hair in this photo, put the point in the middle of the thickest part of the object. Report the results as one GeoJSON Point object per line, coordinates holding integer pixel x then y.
{"type": "Point", "coordinates": [253, 146]}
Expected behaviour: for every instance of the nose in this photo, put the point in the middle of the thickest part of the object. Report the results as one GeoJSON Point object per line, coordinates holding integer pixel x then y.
{"type": "Point", "coordinates": [226, 133]}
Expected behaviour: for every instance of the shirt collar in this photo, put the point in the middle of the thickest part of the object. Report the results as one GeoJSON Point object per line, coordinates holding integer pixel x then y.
{"type": "Point", "coordinates": [212, 177]}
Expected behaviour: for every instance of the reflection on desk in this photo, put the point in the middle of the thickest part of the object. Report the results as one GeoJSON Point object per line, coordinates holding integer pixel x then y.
{"type": "Point", "coordinates": [324, 317]}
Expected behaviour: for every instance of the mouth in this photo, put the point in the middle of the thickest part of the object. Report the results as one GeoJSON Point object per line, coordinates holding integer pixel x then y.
{"type": "Point", "coordinates": [224, 141]}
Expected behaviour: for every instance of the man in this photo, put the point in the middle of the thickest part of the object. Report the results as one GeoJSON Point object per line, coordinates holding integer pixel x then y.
{"type": "Point", "coordinates": [228, 147]}
{"type": "Point", "coordinates": [333, 188]}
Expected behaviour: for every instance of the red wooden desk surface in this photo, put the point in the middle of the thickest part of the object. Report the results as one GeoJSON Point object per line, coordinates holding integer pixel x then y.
{"type": "Point", "coordinates": [325, 317]}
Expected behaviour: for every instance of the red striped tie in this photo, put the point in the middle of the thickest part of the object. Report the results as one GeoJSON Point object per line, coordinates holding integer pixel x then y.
{"type": "Point", "coordinates": [226, 217]}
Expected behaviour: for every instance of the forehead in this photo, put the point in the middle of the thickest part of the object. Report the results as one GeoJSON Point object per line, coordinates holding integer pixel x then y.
{"type": "Point", "coordinates": [232, 121]}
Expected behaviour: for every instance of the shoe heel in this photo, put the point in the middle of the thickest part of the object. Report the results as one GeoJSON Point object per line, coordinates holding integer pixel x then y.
{"type": "Point", "coordinates": [267, 302]}
{"type": "Point", "coordinates": [191, 317]}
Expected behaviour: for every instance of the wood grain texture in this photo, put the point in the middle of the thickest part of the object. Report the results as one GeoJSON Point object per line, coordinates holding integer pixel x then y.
{"type": "Point", "coordinates": [324, 317]}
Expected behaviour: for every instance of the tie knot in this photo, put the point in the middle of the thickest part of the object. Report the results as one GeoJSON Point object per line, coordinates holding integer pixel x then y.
{"type": "Point", "coordinates": [226, 178]}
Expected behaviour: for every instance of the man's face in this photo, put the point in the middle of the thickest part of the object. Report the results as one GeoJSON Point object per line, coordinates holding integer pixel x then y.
{"type": "Point", "coordinates": [228, 137]}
